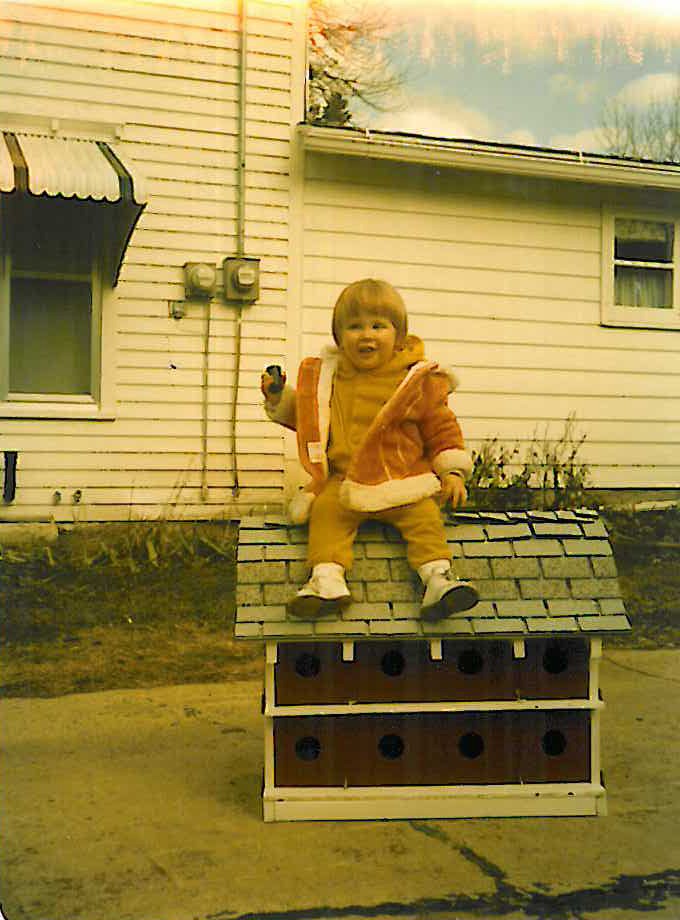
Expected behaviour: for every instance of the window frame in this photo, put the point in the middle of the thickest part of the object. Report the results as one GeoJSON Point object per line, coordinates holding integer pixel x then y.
{"type": "Point", "coordinates": [613, 314]}
{"type": "Point", "coordinates": [99, 403]}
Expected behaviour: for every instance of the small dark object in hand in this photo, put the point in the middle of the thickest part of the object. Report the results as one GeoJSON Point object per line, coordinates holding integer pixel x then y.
{"type": "Point", "coordinates": [274, 370]}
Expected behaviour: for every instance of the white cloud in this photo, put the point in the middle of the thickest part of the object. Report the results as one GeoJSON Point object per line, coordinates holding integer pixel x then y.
{"type": "Point", "coordinates": [437, 117]}
{"type": "Point", "coordinates": [563, 84]}
{"type": "Point", "coordinates": [650, 88]}
{"type": "Point", "coordinates": [587, 140]}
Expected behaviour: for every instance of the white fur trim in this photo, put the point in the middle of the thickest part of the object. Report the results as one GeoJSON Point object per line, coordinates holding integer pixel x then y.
{"type": "Point", "coordinates": [284, 411]}
{"type": "Point", "coordinates": [453, 460]}
{"type": "Point", "coordinates": [300, 506]}
{"type": "Point", "coordinates": [358, 496]}
{"type": "Point", "coordinates": [450, 374]}
{"type": "Point", "coordinates": [329, 364]}
{"type": "Point", "coordinates": [442, 370]}
{"type": "Point", "coordinates": [407, 379]}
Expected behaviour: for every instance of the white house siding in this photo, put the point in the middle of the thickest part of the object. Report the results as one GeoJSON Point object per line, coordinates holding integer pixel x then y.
{"type": "Point", "coordinates": [502, 279]}
{"type": "Point", "coordinates": [168, 73]}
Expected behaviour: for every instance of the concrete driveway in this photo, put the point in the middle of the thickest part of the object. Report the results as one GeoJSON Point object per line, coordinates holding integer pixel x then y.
{"type": "Point", "coordinates": [145, 805]}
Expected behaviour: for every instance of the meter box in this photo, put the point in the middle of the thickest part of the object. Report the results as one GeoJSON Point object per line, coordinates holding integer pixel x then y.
{"type": "Point", "coordinates": [241, 279]}
{"type": "Point", "coordinates": [200, 280]}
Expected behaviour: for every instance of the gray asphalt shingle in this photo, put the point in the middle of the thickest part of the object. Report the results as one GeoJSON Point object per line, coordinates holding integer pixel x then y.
{"type": "Point", "coordinates": [536, 571]}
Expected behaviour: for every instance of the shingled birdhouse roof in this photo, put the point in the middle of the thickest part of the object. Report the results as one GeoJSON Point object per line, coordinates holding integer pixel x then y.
{"type": "Point", "coordinates": [538, 573]}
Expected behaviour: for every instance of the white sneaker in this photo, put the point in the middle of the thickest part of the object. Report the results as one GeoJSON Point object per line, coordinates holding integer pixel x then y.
{"type": "Point", "coordinates": [444, 595]}
{"type": "Point", "coordinates": [325, 593]}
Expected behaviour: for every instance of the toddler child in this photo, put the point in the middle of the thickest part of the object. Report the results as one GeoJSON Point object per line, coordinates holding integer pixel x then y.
{"type": "Point", "coordinates": [377, 437]}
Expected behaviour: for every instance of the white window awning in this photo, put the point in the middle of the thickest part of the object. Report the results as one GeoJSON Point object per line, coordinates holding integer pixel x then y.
{"type": "Point", "coordinates": [89, 170]}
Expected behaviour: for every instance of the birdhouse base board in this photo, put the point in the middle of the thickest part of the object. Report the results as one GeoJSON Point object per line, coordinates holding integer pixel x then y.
{"type": "Point", "coordinates": [404, 802]}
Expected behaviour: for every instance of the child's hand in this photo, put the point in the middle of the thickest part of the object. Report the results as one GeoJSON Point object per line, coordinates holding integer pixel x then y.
{"type": "Point", "coordinates": [272, 386]}
{"type": "Point", "coordinates": [453, 490]}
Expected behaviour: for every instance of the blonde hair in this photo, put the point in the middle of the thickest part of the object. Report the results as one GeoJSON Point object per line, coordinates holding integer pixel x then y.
{"type": "Point", "coordinates": [377, 297]}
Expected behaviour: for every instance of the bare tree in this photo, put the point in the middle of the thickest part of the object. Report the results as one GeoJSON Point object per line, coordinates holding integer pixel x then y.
{"type": "Point", "coordinates": [650, 132]}
{"type": "Point", "coordinates": [349, 44]}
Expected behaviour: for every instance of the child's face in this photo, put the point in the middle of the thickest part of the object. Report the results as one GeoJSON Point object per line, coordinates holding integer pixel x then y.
{"type": "Point", "coordinates": [368, 340]}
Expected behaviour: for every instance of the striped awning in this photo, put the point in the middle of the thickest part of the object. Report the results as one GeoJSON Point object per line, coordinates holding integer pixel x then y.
{"type": "Point", "coordinates": [72, 168]}
{"type": "Point", "coordinates": [37, 164]}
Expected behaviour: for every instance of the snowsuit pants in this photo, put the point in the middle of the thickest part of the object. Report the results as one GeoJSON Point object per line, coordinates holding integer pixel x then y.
{"type": "Point", "coordinates": [332, 529]}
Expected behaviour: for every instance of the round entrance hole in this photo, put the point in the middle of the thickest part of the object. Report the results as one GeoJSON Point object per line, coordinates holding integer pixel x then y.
{"type": "Point", "coordinates": [308, 748]}
{"type": "Point", "coordinates": [471, 745]}
{"type": "Point", "coordinates": [393, 663]}
{"type": "Point", "coordinates": [391, 747]}
{"type": "Point", "coordinates": [555, 659]}
{"type": "Point", "coordinates": [554, 743]}
{"type": "Point", "coordinates": [470, 661]}
{"type": "Point", "coordinates": [307, 665]}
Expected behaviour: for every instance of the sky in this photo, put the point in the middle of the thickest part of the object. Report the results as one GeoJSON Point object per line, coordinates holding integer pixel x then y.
{"type": "Point", "coordinates": [524, 71]}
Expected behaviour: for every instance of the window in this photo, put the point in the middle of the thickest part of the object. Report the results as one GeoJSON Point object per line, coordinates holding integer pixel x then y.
{"type": "Point", "coordinates": [68, 207]}
{"type": "Point", "coordinates": [641, 284]}
{"type": "Point", "coordinates": [52, 304]}
{"type": "Point", "coordinates": [54, 299]}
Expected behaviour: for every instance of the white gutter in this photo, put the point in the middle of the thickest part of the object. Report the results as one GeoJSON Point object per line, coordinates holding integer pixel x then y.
{"type": "Point", "coordinates": [477, 155]}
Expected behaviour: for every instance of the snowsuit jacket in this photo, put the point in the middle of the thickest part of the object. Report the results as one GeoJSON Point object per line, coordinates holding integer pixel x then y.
{"type": "Point", "coordinates": [414, 437]}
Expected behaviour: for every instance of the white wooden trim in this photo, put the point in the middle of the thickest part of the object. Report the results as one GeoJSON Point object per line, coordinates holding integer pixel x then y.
{"type": "Point", "coordinates": [496, 790]}
{"type": "Point", "coordinates": [474, 155]}
{"type": "Point", "coordinates": [271, 652]}
{"type": "Point", "coordinates": [268, 792]}
{"type": "Point", "coordinates": [436, 652]}
{"type": "Point", "coordinates": [594, 672]}
{"type": "Point", "coordinates": [295, 267]}
{"type": "Point", "coordinates": [4, 303]}
{"type": "Point", "coordinates": [57, 410]}
{"type": "Point", "coordinates": [602, 809]}
{"type": "Point", "coordinates": [395, 802]}
{"type": "Point", "coordinates": [62, 127]}
{"type": "Point", "coordinates": [269, 686]}
{"type": "Point", "coordinates": [349, 709]}
{"type": "Point", "coordinates": [519, 649]}
{"type": "Point", "coordinates": [611, 314]}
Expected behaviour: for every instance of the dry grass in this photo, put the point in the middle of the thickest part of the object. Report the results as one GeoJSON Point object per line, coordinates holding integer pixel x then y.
{"type": "Point", "coordinates": [121, 606]}
{"type": "Point", "coordinates": [647, 550]}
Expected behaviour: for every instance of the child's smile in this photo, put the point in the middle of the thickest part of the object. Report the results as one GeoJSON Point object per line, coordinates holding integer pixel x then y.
{"type": "Point", "coordinates": [368, 340]}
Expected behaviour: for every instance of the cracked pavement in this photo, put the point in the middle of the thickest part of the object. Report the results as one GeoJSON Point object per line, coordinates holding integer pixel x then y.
{"type": "Point", "coordinates": [145, 805]}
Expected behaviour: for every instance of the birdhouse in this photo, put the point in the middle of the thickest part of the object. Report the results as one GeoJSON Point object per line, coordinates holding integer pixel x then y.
{"type": "Point", "coordinates": [374, 713]}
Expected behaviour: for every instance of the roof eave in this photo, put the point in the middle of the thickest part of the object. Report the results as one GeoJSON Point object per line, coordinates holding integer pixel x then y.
{"type": "Point", "coordinates": [475, 155]}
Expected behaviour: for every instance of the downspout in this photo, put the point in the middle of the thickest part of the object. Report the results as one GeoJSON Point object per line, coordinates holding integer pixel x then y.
{"type": "Point", "coordinates": [240, 223]}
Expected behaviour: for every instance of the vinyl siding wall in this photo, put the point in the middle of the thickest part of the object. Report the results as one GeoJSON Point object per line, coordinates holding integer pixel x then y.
{"type": "Point", "coordinates": [168, 73]}
{"type": "Point", "coordinates": [501, 277]}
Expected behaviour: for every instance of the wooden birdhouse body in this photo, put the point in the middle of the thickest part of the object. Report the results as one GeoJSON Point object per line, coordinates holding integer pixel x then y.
{"type": "Point", "coordinates": [377, 714]}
